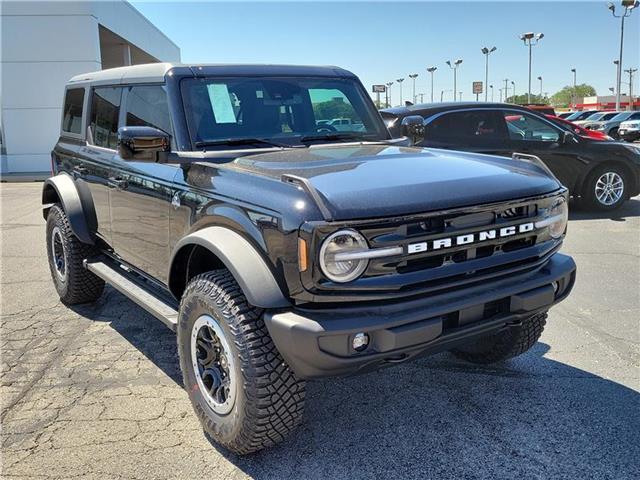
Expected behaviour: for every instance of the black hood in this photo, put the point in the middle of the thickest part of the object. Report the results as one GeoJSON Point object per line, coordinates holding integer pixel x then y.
{"type": "Point", "coordinates": [365, 181]}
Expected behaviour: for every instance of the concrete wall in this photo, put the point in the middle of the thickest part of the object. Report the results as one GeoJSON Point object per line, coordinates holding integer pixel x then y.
{"type": "Point", "coordinates": [43, 45]}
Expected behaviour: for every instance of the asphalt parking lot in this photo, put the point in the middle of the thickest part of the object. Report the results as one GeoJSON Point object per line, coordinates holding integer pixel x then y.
{"type": "Point", "coordinates": [95, 391]}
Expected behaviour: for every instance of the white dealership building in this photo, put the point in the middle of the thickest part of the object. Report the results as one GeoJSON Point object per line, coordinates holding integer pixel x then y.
{"type": "Point", "coordinates": [46, 43]}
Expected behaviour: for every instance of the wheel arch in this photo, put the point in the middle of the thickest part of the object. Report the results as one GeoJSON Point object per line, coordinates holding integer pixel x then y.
{"type": "Point", "coordinates": [76, 200]}
{"type": "Point", "coordinates": [219, 247]}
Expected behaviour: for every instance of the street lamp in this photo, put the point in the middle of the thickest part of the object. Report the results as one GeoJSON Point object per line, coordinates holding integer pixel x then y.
{"type": "Point", "coordinates": [513, 84]}
{"type": "Point", "coordinates": [575, 92]}
{"type": "Point", "coordinates": [400, 80]}
{"type": "Point", "coordinates": [413, 77]}
{"type": "Point", "coordinates": [486, 51]}
{"type": "Point", "coordinates": [431, 70]}
{"type": "Point", "coordinates": [530, 39]}
{"type": "Point", "coordinates": [506, 89]}
{"type": "Point", "coordinates": [540, 79]}
{"type": "Point", "coordinates": [491, 87]}
{"type": "Point", "coordinates": [454, 67]}
{"type": "Point", "coordinates": [500, 90]}
{"type": "Point", "coordinates": [628, 6]}
{"type": "Point", "coordinates": [631, 71]}
{"type": "Point", "coordinates": [389, 93]}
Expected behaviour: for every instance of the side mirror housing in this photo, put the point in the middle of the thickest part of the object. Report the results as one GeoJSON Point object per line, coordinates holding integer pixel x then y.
{"type": "Point", "coordinates": [142, 144]}
{"type": "Point", "coordinates": [568, 137]}
{"type": "Point", "coordinates": [413, 128]}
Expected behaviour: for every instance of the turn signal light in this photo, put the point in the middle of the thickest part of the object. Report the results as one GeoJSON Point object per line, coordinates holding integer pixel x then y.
{"type": "Point", "coordinates": [303, 262]}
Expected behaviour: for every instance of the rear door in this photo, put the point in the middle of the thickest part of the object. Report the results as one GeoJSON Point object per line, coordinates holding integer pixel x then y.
{"type": "Point", "coordinates": [142, 191]}
{"type": "Point", "coordinates": [471, 130]}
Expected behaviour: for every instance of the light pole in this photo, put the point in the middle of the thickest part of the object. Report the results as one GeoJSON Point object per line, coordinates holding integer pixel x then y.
{"type": "Point", "coordinates": [530, 39]}
{"type": "Point", "coordinates": [431, 70]}
{"type": "Point", "coordinates": [442, 92]}
{"type": "Point", "coordinates": [628, 6]}
{"type": "Point", "coordinates": [513, 84]}
{"type": "Point", "coordinates": [486, 51]}
{"type": "Point", "coordinates": [400, 80]}
{"type": "Point", "coordinates": [389, 93]}
{"type": "Point", "coordinates": [491, 87]}
{"type": "Point", "coordinates": [454, 67]}
{"type": "Point", "coordinates": [575, 92]}
{"type": "Point", "coordinates": [631, 71]}
{"type": "Point", "coordinates": [540, 79]}
{"type": "Point", "coordinates": [506, 89]}
{"type": "Point", "coordinates": [413, 77]}
{"type": "Point", "coordinates": [500, 90]}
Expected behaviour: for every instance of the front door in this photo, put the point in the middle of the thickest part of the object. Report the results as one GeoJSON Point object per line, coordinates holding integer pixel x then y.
{"type": "Point", "coordinates": [142, 191]}
{"type": "Point", "coordinates": [536, 136]}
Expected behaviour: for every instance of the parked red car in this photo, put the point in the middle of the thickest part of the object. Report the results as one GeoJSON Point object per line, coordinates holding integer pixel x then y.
{"type": "Point", "coordinates": [583, 132]}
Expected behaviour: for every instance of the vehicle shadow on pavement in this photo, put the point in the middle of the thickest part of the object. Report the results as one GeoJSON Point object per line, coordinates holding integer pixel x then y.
{"type": "Point", "coordinates": [630, 208]}
{"type": "Point", "coordinates": [437, 417]}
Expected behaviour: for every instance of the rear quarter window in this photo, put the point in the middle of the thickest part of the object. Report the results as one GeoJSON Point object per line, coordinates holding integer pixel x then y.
{"type": "Point", "coordinates": [72, 114]}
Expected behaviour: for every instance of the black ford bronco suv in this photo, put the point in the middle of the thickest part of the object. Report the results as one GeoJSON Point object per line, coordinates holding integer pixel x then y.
{"type": "Point", "coordinates": [279, 248]}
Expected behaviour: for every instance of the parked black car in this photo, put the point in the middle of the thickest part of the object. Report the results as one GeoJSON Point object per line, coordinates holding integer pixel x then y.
{"type": "Point", "coordinates": [602, 175]}
{"type": "Point", "coordinates": [280, 249]}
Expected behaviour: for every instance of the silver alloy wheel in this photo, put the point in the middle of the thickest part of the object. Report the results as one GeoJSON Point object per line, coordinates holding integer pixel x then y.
{"type": "Point", "coordinates": [213, 364]}
{"type": "Point", "coordinates": [58, 254]}
{"type": "Point", "coordinates": [609, 188]}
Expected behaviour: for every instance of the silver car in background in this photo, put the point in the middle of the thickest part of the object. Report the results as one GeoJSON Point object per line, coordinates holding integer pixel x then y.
{"type": "Point", "coordinates": [596, 117]}
{"type": "Point", "coordinates": [610, 127]}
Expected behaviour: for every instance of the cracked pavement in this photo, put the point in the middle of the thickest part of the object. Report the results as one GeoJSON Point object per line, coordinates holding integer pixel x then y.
{"type": "Point", "coordinates": [95, 391]}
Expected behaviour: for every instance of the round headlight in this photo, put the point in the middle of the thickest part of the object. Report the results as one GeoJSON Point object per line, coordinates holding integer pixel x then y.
{"type": "Point", "coordinates": [343, 269]}
{"type": "Point", "coordinates": [558, 217]}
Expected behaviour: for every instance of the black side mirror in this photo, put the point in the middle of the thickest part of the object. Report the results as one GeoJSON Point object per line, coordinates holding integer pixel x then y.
{"type": "Point", "coordinates": [567, 137]}
{"type": "Point", "coordinates": [413, 128]}
{"type": "Point", "coordinates": [142, 144]}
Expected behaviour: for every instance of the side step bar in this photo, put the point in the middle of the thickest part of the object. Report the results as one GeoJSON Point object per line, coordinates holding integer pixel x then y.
{"type": "Point", "coordinates": [117, 278]}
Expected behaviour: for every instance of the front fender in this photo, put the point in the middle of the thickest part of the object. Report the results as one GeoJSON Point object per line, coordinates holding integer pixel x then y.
{"type": "Point", "coordinates": [246, 265]}
{"type": "Point", "coordinates": [77, 203]}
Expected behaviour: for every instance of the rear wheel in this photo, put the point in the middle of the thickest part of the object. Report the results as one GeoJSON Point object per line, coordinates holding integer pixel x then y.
{"type": "Point", "coordinates": [506, 344]}
{"type": "Point", "coordinates": [245, 396]}
{"type": "Point", "coordinates": [74, 283]}
{"type": "Point", "coordinates": [605, 188]}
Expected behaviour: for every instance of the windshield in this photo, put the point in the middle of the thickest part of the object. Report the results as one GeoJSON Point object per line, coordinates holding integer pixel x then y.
{"type": "Point", "coordinates": [268, 111]}
{"type": "Point", "coordinates": [596, 116]}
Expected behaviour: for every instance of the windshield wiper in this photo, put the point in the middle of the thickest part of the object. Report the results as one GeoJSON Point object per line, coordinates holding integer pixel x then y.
{"type": "Point", "coordinates": [245, 141]}
{"type": "Point", "coordinates": [337, 136]}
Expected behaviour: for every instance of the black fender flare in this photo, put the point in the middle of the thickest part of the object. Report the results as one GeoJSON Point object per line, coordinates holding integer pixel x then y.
{"type": "Point", "coordinates": [77, 203]}
{"type": "Point", "coordinates": [243, 261]}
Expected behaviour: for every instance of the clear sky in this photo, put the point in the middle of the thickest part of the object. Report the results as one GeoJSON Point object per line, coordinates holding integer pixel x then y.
{"type": "Point", "coordinates": [383, 41]}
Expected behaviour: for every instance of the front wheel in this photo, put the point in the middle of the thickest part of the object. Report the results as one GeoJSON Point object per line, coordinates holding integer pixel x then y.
{"type": "Point", "coordinates": [605, 188]}
{"type": "Point", "coordinates": [243, 393]}
{"type": "Point", "coordinates": [506, 344]}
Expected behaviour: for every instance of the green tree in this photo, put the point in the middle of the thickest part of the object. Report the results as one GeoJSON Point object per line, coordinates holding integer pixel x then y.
{"type": "Point", "coordinates": [335, 108]}
{"type": "Point", "coordinates": [564, 97]}
{"type": "Point", "coordinates": [523, 100]}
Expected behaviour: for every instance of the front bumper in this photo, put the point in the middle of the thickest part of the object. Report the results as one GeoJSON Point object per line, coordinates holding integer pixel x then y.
{"type": "Point", "coordinates": [629, 134]}
{"type": "Point", "coordinates": [317, 343]}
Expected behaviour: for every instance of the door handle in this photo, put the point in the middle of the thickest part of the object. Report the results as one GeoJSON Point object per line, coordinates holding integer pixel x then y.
{"type": "Point", "coordinates": [118, 182]}
{"type": "Point", "coordinates": [77, 171]}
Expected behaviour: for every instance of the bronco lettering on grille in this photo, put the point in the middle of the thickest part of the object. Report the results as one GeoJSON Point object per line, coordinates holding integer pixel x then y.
{"type": "Point", "coordinates": [469, 238]}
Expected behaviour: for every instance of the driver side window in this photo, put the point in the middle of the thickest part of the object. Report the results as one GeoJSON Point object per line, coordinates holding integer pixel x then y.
{"type": "Point", "coordinates": [523, 126]}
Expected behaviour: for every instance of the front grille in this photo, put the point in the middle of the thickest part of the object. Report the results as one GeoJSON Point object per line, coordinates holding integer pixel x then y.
{"type": "Point", "coordinates": [455, 266]}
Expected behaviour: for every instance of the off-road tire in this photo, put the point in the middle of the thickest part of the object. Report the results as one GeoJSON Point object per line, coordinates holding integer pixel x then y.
{"type": "Point", "coordinates": [588, 199]}
{"type": "Point", "coordinates": [269, 400]}
{"type": "Point", "coordinates": [78, 285]}
{"type": "Point", "coordinates": [506, 344]}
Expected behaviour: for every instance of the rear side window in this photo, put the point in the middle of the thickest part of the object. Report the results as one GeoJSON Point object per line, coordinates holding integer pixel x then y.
{"type": "Point", "coordinates": [72, 119]}
{"type": "Point", "coordinates": [472, 127]}
{"type": "Point", "coordinates": [105, 108]}
{"type": "Point", "coordinates": [147, 107]}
